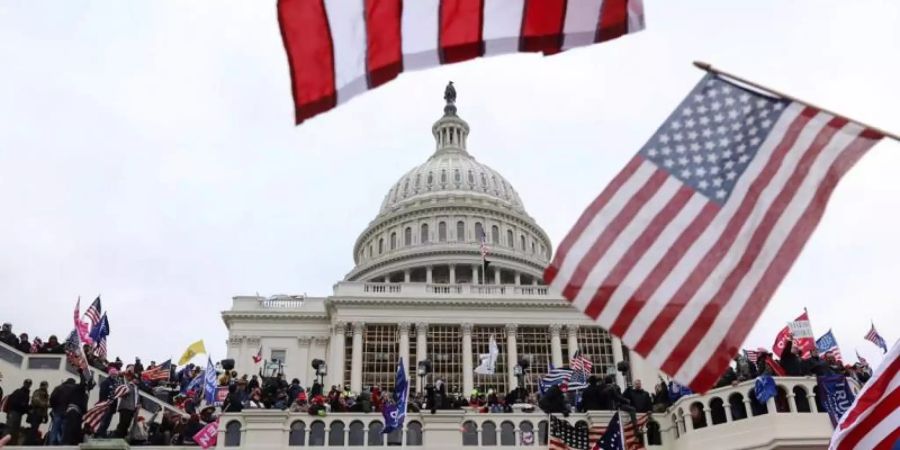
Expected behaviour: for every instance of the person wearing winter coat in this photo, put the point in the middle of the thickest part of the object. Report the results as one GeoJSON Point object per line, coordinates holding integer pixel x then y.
{"type": "Point", "coordinates": [590, 398]}
{"type": "Point", "coordinates": [18, 407]}
{"type": "Point", "coordinates": [40, 403]}
{"type": "Point", "coordinates": [554, 401]}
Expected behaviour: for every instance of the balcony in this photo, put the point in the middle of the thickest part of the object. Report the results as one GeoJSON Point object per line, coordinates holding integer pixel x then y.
{"type": "Point", "coordinates": [425, 290]}
{"type": "Point", "coordinates": [730, 417]}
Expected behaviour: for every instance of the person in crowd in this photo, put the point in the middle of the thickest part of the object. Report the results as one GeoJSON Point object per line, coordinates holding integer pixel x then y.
{"type": "Point", "coordinates": [24, 345]}
{"type": "Point", "coordinates": [7, 336]}
{"type": "Point", "coordinates": [52, 346]}
{"type": "Point", "coordinates": [554, 400]}
{"type": "Point", "coordinates": [640, 399]}
{"type": "Point", "coordinates": [255, 401]}
{"type": "Point", "coordinates": [300, 405]}
{"type": "Point", "coordinates": [790, 357]}
{"type": "Point", "coordinates": [590, 398]}
{"type": "Point", "coordinates": [128, 405]}
{"type": "Point", "coordinates": [233, 402]}
{"type": "Point", "coordinates": [107, 391]}
{"type": "Point", "coordinates": [743, 368]}
{"type": "Point", "coordinates": [18, 406]}
{"type": "Point", "coordinates": [59, 401]}
{"type": "Point", "coordinates": [834, 366]}
{"type": "Point", "coordinates": [137, 368]}
{"type": "Point", "coordinates": [294, 389]}
{"type": "Point", "coordinates": [728, 378]}
{"type": "Point", "coordinates": [76, 399]}
{"type": "Point", "coordinates": [661, 400]}
{"type": "Point", "coordinates": [40, 403]}
{"type": "Point", "coordinates": [814, 365]}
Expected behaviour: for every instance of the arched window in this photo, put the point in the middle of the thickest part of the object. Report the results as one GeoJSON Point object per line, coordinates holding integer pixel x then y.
{"type": "Point", "coordinates": [522, 242]}
{"type": "Point", "coordinates": [370, 250]}
{"type": "Point", "coordinates": [317, 434]}
{"type": "Point", "coordinates": [418, 180]}
{"type": "Point", "coordinates": [483, 181]}
{"type": "Point", "coordinates": [717, 410]}
{"type": "Point", "coordinates": [532, 248]}
{"type": "Point", "coordinates": [407, 236]}
{"type": "Point", "coordinates": [697, 415]}
{"type": "Point", "coordinates": [755, 406]}
{"type": "Point", "coordinates": [678, 430]}
{"type": "Point", "coordinates": [510, 239]}
{"type": "Point", "coordinates": [801, 399]}
{"type": "Point", "coordinates": [298, 434]}
{"type": "Point", "coordinates": [738, 410]}
{"type": "Point", "coordinates": [414, 433]}
{"type": "Point", "coordinates": [430, 178]}
{"type": "Point", "coordinates": [443, 176]}
{"type": "Point", "coordinates": [380, 245]}
{"type": "Point", "coordinates": [654, 433]}
{"type": "Point", "coordinates": [357, 434]}
{"type": "Point", "coordinates": [469, 433]}
{"type": "Point", "coordinates": [781, 400]}
{"type": "Point", "coordinates": [488, 433]}
{"type": "Point", "coordinates": [456, 177]}
{"type": "Point", "coordinates": [507, 433]}
{"type": "Point", "coordinates": [542, 432]}
{"type": "Point", "coordinates": [375, 436]}
{"type": "Point", "coordinates": [336, 433]}
{"type": "Point", "coordinates": [495, 234]}
{"type": "Point", "coordinates": [395, 438]}
{"type": "Point", "coordinates": [471, 178]}
{"type": "Point", "coordinates": [527, 429]}
{"type": "Point", "coordinates": [423, 238]}
{"type": "Point", "coordinates": [394, 241]}
{"type": "Point", "coordinates": [479, 231]}
{"type": "Point", "coordinates": [442, 231]}
{"type": "Point", "coordinates": [233, 434]}
{"type": "Point", "coordinates": [460, 231]}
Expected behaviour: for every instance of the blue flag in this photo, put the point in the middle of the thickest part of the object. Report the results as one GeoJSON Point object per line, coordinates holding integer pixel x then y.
{"type": "Point", "coordinates": [100, 330]}
{"type": "Point", "coordinates": [395, 413]}
{"type": "Point", "coordinates": [765, 388]}
{"type": "Point", "coordinates": [612, 439]}
{"type": "Point", "coordinates": [838, 397]}
{"type": "Point", "coordinates": [678, 390]}
{"type": "Point", "coordinates": [826, 343]}
{"type": "Point", "coordinates": [209, 385]}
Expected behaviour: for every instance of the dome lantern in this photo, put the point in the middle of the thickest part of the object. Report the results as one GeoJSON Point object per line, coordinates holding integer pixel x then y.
{"type": "Point", "coordinates": [450, 131]}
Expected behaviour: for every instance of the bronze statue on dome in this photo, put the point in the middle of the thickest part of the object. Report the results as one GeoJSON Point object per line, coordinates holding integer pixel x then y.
{"type": "Point", "coordinates": [450, 93]}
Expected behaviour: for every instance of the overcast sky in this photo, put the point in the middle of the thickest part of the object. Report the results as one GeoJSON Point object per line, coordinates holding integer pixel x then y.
{"type": "Point", "coordinates": [148, 153]}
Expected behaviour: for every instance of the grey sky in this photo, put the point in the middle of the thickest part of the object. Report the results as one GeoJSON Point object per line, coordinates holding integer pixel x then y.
{"type": "Point", "coordinates": [147, 153]}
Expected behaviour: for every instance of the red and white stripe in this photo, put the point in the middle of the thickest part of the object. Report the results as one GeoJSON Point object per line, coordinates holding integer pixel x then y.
{"type": "Point", "coordinates": [629, 434]}
{"type": "Point", "coordinates": [873, 421]}
{"type": "Point", "coordinates": [339, 48]}
{"type": "Point", "coordinates": [581, 363]}
{"type": "Point", "coordinates": [683, 279]}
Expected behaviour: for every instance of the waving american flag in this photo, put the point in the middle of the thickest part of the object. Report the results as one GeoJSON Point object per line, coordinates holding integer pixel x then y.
{"type": "Point", "coordinates": [686, 245]}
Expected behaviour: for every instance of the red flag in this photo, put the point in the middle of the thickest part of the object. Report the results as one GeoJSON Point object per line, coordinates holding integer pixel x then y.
{"type": "Point", "coordinates": [82, 327]}
{"type": "Point", "coordinates": [206, 437]}
{"type": "Point", "coordinates": [258, 357]}
{"type": "Point", "coordinates": [803, 337]}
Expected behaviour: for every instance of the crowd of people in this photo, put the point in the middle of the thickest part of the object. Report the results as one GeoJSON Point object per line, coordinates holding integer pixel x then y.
{"type": "Point", "coordinates": [71, 420]}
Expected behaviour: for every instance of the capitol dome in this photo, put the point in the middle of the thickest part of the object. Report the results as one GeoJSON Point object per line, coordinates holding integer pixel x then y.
{"type": "Point", "coordinates": [430, 225]}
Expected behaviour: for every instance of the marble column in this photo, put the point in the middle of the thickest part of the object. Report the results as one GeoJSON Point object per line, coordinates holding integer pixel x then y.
{"type": "Point", "coordinates": [468, 381]}
{"type": "Point", "coordinates": [496, 275]}
{"type": "Point", "coordinates": [572, 331]}
{"type": "Point", "coordinates": [518, 278]}
{"type": "Point", "coordinates": [407, 276]}
{"type": "Point", "coordinates": [356, 357]}
{"type": "Point", "coordinates": [336, 361]}
{"type": "Point", "coordinates": [512, 355]}
{"type": "Point", "coordinates": [475, 274]}
{"type": "Point", "coordinates": [421, 349]}
{"type": "Point", "coordinates": [555, 345]}
{"type": "Point", "coordinates": [306, 373]}
{"type": "Point", "coordinates": [452, 274]}
{"type": "Point", "coordinates": [403, 328]}
{"type": "Point", "coordinates": [428, 274]}
{"type": "Point", "coordinates": [234, 352]}
{"type": "Point", "coordinates": [618, 355]}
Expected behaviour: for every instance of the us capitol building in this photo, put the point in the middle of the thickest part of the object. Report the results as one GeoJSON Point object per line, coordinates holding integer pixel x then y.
{"type": "Point", "coordinates": [418, 290]}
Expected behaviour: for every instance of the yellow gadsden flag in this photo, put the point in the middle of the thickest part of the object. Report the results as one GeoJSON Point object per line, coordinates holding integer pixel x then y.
{"type": "Point", "coordinates": [197, 348]}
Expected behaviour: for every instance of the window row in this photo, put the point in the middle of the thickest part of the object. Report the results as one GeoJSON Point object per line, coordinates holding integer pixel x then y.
{"type": "Point", "coordinates": [425, 235]}
{"type": "Point", "coordinates": [356, 434]}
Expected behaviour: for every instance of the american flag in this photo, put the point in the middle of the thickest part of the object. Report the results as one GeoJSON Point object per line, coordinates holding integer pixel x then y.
{"type": "Point", "coordinates": [553, 377]}
{"type": "Point", "coordinates": [630, 440]}
{"type": "Point", "coordinates": [752, 355]}
{"type": "Point", "coordinates": [74, 352]}
{"type": "Point", "coordinates": [875, 338]}
{"type": "Point", "coordinates": [565, 436]}
{"type": "Point", "coordinates": [684, 248]}
{"type": "Point", "coordinates": [483, 246]}
{"type": "Point", "coordinates": [257, 358]}
{"type": "Point", "coordinates": [338, 49]}
{"type": "Point", "coordinates": [93, 312]}
{"type": "Point", "coordinates": [158, 373]}
{"type": "Point", "coordinates": [872, 421]}
{"type": "Point", "coordinates": [94, 416]}
{"type": "Point", "coordinates": [827, 343]}
{"type": "Point", "coordinates": [581, 370]}
{"type": "Point", "coordinates": [100, 349]}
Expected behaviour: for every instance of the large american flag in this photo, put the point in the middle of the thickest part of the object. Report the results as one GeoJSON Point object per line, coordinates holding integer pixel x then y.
{"type": "Point", "coordinates": [93, 312]}
{"type": "Point", "coordinates": [565, 436]}
{"type": "Point", "coordinates": [581, 370]}
{"type": "Point", "coordinates": [94, 416]}
{"type": "Point", "coordinates": [686, 245]}
{"type": "Point", "coordinates": [872, 421]}
{"type": "Point", "coordinates": [630, 439]}
{"type": "Point", "coordinates": [338, 49]}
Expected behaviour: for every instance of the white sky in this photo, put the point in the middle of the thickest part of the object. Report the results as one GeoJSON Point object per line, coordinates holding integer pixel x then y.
{"type": "Point", "coordinates": [147, 153]}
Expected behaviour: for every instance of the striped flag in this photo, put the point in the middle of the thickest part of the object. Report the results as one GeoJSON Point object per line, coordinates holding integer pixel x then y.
{"type": "Point", "coordinates": [93, 312]}
{"type": "Point", "coordinates": [581, 370]}
{"type": "Point", "coordinates": [752, 355]}
{"type": "Point", "coordinates": [338, 49]}
{"type": "Point", "coordinates": [94, 416]}
{"type": "Point", "coordinates": [632, 442]}
{"type": "Point", "coordinates": [682, 251]}
{"type": "Point", "coordinates": [74, 352]}
{"type": "Point", "coordinates": [553, 377]}
{"type": "Point", "coordinates": [158, 373]}
{"type": "Point", "coordinates": [872, 421]}
{"type": "Point", "coordinates": [100, 349]}
{"type": "Point", "coordinates": [483, 246]}
{"type": "Point", "coordinates": [827, 343]}
{"type": "Point", "coordinates": [565, 436]}
{"type": "Point", "coordinates": [875, 338]}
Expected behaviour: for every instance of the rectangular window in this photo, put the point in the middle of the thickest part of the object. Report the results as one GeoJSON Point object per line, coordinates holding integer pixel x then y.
{"type": "Point", "coordinates": [279, 355]}
{"type": "Point", "coordinates": [481, 338]}
{"type": "Point", "coordinates": [596, 344]}
{"type": "Point", "coordinates": [445, 352]}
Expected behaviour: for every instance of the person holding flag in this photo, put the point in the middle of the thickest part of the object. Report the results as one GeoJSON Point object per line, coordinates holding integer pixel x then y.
{"type": "Point", "coordinates": [209, 382]}
{"type": "Point", "coordinates": [395, 413]}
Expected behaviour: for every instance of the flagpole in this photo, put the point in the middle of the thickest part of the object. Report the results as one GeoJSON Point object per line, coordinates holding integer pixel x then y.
{"type": "Point", "coordinates": [715, 70]}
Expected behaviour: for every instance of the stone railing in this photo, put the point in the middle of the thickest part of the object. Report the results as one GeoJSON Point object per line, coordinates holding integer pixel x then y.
{"type": "Point", "coordinates": [425, 290]}
{"type": "Point", "coordinates": [447, 429]}
{"type": "Point", "coordinates": [282, 302]}
{"type": "Point", "coordinates": [793, 415]}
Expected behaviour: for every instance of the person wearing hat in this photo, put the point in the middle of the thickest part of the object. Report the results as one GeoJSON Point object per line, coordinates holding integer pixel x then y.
{"type": "Point", "coordinates": [234, 401]}
{"type": "Point", "coordinates": [23, 345]}
{"type": "Point", "coordinates": [7, 336]}
{"type": "Point", "coordinates": [40, 403]}
{"type": "Point", "coordinates": [18, 407]}
{"type": "Point", "coordinates": [107, 392]}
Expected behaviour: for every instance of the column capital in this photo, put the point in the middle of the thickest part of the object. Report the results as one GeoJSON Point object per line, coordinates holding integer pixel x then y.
{"type": "Point", "coordinates": [511, 329]}
{"type": "Point", "coordinates": [358, 327]}
{"type": "Point", "coordinates": [304, 340]}
{"type": "Point", "coordinates": [467, 328]}
{"type": "Point", "coordinates": [421, 327]}
{"type": "Point", "coordinates": [252, 340]}
{"type": "Point", "coordinates": [339, 327]}
{"type": "Point", "coordinates": [555, 328]}
{"type": "Point", "coordinates": [403, 327]}
{"type": "Point", "coordinates": [572, 328]}
{"type": "Point", "coordinates": [235, 340]}
{"type": "Point", "coordinates": [320, 339]}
